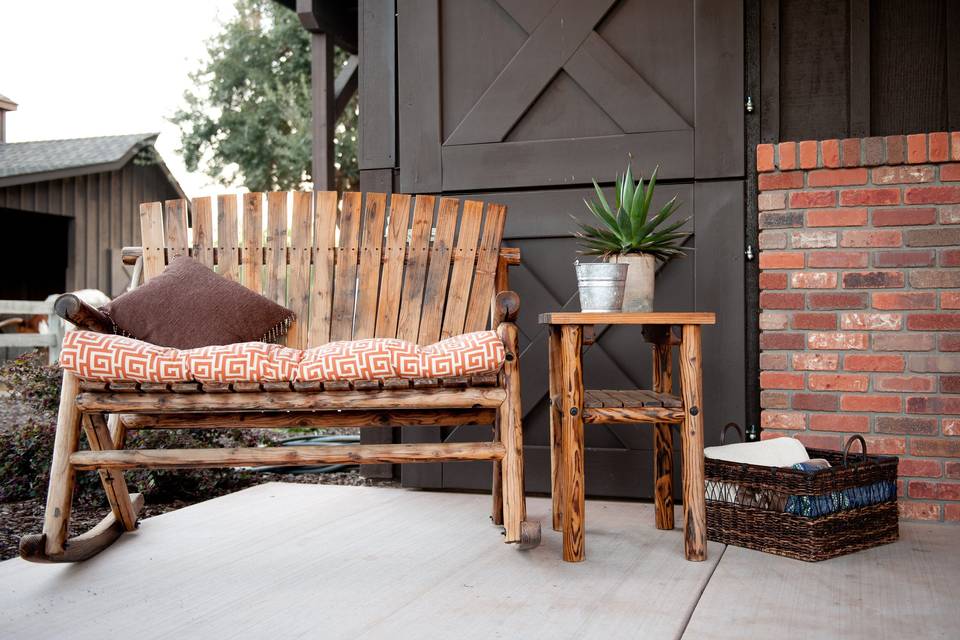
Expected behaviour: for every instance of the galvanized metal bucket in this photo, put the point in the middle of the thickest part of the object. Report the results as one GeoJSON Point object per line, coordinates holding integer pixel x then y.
{"type": "Point", "coordinates": [601, 285]}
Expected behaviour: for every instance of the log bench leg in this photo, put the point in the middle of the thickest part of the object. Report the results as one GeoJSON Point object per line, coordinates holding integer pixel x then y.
{"type": "Point", "coordinates": [99, 436]}
{"type": "Point", "coordinates": [571, 408]}
{"type": "Point", "coordinates": [496, 514]}
{"type": "Point", "coordinates": [556, 428]}
{"type": "Point", "coordinates": [694, 505]}
{"type": "Point", "coordinates": [118, 431]}
{"type": "Point", "coordinates": [663, 439]}
{"type": "Point", "coordinates": [52, 545]}
{"type": "Point", "coordinates": [516, 528]}
{"type": "Point", "coordinates": [56, 518]}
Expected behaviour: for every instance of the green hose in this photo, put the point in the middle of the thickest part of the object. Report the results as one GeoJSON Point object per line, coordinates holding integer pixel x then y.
{"type": "Point", "coordinates": [331, 441]}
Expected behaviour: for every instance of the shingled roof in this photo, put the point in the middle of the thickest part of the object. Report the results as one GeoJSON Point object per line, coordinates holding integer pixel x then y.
{"type": "Point", "coordinates": [48, 159]}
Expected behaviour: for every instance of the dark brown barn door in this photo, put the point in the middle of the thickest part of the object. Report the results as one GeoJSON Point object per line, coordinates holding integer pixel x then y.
{"type": "Point", "coordinates": [524, 102]}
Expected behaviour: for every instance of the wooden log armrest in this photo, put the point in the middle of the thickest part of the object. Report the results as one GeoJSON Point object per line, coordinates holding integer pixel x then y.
{"type": "Point", "coordinates": [506, 307]}
{"type": "Point", "coordinates": [73, 309]}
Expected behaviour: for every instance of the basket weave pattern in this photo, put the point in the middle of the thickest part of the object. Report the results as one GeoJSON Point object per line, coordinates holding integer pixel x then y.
{"type": "Point", "coordinates": [746, 506]}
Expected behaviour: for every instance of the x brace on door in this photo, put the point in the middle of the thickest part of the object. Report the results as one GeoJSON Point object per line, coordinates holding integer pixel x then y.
{"type": "Point", "coordinates": [565, 39]}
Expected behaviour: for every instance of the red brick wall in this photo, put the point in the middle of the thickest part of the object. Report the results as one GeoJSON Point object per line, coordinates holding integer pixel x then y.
{"type": "Point", "coordinates": [860, 300]}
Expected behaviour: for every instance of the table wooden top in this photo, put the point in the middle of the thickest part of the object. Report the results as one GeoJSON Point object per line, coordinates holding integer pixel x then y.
{"type": "Point", "coordinates": [624, 317]}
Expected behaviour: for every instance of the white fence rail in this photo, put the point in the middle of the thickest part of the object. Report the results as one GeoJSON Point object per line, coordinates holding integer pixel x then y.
{"type": "Point", "coordinates": [51, 340]}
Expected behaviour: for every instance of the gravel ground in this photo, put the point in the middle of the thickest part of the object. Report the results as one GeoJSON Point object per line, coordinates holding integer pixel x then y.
{"type": "Point", "coordinates": [18, 518]}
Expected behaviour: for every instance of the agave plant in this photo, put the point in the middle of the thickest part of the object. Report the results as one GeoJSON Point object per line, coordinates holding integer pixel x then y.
{"type": "Point", "coordinates": [628, 227]}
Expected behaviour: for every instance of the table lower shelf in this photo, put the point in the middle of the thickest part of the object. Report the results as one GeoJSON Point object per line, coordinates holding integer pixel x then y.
{"type": "Point", "coordinates": [628, 406]}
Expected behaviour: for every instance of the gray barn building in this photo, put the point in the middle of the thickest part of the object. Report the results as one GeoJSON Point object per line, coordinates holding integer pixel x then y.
{"type": "Point", "coordinates": [68, 206]}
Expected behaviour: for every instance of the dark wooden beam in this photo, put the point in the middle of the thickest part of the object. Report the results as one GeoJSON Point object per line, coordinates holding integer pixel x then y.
{"type": "Point", "coordinates": [769, 71]}
{"type": "Point", "coordinates": [324, 109]}
{"type": "Point", "coordinates": [418, 88]}
{"type": "Point", "coordinates": [752, 134]}
{"type": "Point", "coordinates": [859, 69]}
{"type": "Point", "coordinates": [952, 22]}
{"type": "Point", "coordinates": [718, 28]}
{"type": "Point", "coordinates": [345, 86]}
{"type": "Point", "coordinates": [378, 85]}
{"type": "Point", "coordinates": [338, 18]}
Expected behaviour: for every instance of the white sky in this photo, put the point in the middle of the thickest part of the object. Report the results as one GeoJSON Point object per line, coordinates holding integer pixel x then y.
{"type": "Point", "coordinates": [104, 67]}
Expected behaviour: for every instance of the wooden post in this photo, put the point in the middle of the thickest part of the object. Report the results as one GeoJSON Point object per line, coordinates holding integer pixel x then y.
{"type": "Point", "coordinates": [57, 329]}
{"type": "Point", "coordinates": [118, 431]}
{"type": "Point", "coordinates": [324, 109]}
{"type": "Point", "coordinates": [496, 509]}
{"type": "Point", "coordinates": [62, 474]}
{"type": "Point", "coordinates": [694, 507]}
{"type": "Point", "coordinates": [556, 426]}
{"type": "Point", "coordinates": [663, 438]}
{"type": "Point", "coordinates": [511, 435]}
{"type": "Point", "coordinates": [571, 408]}
{"type": "Point", "coordinates": [501, 283]}
{"type": "Point", "coordinates": [99, 438]}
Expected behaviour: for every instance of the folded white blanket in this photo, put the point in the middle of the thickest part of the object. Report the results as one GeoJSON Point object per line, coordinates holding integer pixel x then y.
{"type": "Point", "coordinates": [777, 452]}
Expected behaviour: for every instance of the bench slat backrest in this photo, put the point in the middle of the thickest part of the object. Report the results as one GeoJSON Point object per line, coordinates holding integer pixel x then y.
{"type": "Point", "coordinates": [298, 279]}
{"type": "Point", "coordinates": [324, 257]}
{"type": "Point", "coordinates": [228, 238]}
{"type": "Point", "coordinates": [391, 280]}
{"type": "Point", "coordinates": [369, 265]}
{"type": "Point", "coordinates": [252, 240]}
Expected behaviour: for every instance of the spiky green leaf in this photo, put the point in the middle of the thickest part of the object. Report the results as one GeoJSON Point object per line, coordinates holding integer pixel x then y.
{"type": "Point", "coordinates": [630, 227]}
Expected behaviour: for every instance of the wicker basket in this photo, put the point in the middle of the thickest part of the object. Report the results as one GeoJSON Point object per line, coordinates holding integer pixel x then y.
{"type": "Point", "coordinates": [804, 515]}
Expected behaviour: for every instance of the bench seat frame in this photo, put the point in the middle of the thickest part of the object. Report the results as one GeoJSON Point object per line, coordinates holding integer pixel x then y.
{"type": "Point", "coordinates": [386, 255]}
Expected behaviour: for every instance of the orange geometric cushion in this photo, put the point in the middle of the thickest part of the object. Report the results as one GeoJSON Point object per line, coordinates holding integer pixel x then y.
{"type": "Point", "coordinates": [243, 362]}
{"type": "Point", "coordinates": [102, 357]}
{"type": "Point", "coordinates": [105, 357]}
{"type": "Point", "coordinates": [368, 359]}
{"type": "Point", "coordinates": [463, 355]}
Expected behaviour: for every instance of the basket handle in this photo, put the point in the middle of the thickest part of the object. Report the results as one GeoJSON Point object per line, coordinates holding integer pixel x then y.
{"type": "Point", "coordinates": [726, 427]}
{"type": "Point", "coordinates": [850, 441]}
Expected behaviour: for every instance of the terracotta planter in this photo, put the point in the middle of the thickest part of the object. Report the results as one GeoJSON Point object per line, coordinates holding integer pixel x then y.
{"type": "Point", "coordinates": [639, 288]}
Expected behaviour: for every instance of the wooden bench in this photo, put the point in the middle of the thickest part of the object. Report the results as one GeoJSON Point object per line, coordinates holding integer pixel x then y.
{"type": "Point", "coordinates": [419, 269]}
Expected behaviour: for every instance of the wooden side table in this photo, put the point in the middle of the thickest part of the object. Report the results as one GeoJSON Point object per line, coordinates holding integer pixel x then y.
{"type": "Point", "coordinates": [571, 407]}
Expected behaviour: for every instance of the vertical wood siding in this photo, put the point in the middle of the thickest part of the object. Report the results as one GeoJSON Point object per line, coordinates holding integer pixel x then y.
{"type": "Point", "coordinates": [859, 68]}
{"type": "Point", "coordinates": [103, 207]}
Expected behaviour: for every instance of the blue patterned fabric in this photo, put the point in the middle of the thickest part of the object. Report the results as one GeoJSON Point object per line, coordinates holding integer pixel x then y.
{"type": "Point", "coordinates": [821, 505]}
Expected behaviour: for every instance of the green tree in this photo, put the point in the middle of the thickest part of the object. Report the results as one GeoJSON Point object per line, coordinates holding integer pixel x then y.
{"type": "Point", "coordinates": [247, 118]}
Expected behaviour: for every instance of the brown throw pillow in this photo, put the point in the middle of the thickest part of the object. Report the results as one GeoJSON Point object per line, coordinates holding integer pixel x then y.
{"type": "Point", "coordinates": [189, 306]}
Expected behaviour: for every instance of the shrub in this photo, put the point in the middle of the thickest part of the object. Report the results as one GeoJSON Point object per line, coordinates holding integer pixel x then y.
{"type": "Point", "coordinates": [25, 453]}
{"type": "Point", "coordinates": [189, 484]}
{"type": "Point", "coordinates": [26, 446]}
{"type": "Point", "coordinates": [33, 381]}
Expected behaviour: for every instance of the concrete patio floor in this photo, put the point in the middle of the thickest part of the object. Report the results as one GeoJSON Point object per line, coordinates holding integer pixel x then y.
{"type": "Point", "coordinates": [307, 561]}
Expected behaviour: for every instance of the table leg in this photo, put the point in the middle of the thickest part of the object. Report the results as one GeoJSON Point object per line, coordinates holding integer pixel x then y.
{"type": "Point", "coordinates": [571, 407]}
{"type": "Point", "coordinates": [663, 437]}
{"type": "Point", "coordinates": [694, 506]}
{"type": "Point", "coordinates": [556, 427]}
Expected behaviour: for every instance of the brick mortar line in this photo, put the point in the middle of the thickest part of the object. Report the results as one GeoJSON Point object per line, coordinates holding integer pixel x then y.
{"type": "Point", "coordinates": [786, 238]}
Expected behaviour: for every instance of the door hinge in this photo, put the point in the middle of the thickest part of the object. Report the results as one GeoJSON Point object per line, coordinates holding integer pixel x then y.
{"type": "Point", "coordinates": [748, 252]}
{"type": "Point", "coordinates": [749, 104]}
